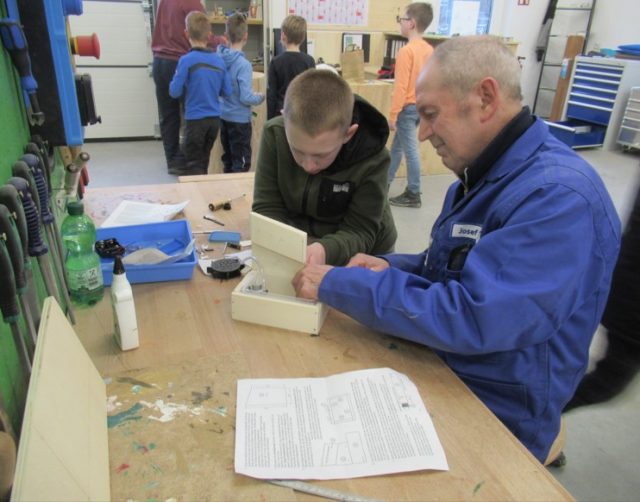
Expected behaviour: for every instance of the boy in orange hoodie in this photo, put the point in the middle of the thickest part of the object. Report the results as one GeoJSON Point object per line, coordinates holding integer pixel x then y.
{"type": "Point", "coordinates": [403, 117]}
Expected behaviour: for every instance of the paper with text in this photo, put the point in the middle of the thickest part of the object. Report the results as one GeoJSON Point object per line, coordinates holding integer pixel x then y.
{"type": "Point", "coordinates": [360, 423]}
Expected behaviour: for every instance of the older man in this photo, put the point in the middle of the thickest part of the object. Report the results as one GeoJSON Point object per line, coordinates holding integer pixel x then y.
{"type": "Point", "coordinates": [515, 280]}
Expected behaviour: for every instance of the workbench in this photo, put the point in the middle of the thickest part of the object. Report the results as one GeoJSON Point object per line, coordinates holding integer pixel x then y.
{"type": "Point", "coordinates": [192, 353]}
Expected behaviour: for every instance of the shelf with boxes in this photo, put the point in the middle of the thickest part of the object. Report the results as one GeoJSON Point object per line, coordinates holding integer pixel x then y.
{"type": "Point", "coordinates": [598, 93]}
{"type": "Point", "coordinates": [394, 41]}
{"type": "Point", "coordinates": [254, 50]}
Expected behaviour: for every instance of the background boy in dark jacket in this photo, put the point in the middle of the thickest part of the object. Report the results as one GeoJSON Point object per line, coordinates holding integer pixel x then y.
{"type": "Point", "coordinates": [322, 168]}
{"type": "Point", "coordinates": [286, 66]}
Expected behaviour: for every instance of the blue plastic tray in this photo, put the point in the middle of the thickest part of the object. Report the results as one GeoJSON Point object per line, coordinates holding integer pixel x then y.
{"type": "Point", "coordinates": [168, 236]}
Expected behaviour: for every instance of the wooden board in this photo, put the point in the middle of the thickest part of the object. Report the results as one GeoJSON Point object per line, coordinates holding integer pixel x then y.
{"type": "Point", "coordinates": [172, 431]}
{"type": "Point", "coordinates": [63, 452]}
{"type": "Point", "coordinates": [574, 46]}
{"type": "Point", "coordinates": [378, 93]}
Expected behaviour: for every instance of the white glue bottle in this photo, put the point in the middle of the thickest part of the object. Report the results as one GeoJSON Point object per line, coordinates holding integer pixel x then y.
{"type": "Point", "coordinates": [124, 310]}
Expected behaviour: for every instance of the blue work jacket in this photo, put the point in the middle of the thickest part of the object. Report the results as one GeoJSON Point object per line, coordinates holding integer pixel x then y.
{"type": "Point", "coordinates": [511, 288]}
{"type": "Point", "coordinates": [202, 77]}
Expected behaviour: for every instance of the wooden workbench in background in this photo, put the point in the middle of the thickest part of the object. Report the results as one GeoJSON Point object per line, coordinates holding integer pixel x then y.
{"type": "Point", "coordinates": [377, 92]}
{"type": "Point", "coordinates": [192, 353]}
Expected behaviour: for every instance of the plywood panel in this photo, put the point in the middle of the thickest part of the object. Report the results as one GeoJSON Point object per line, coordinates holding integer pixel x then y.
{"type": "Point", "coordinates": [63, 453]}
{"type": "Point", "coordinates": [378, 93]}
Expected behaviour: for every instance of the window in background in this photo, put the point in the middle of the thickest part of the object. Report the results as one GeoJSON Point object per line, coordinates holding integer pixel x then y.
{"type": "Point", "coordinates": [464, 17]}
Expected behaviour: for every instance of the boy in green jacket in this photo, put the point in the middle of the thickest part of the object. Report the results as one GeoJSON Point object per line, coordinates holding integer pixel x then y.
{"type": "Point", "coordinates": [322, 167]}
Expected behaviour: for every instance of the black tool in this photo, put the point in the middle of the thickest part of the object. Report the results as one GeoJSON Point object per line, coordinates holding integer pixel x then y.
{"type": "Point", "coordinates": [37, 168]}
{"type": "Point", "coordinates": [210, 218]}
{"type": "Point", "coordinates": [36, 248]}
{"type": "Point", "coordinates": [12, 241]}
{"type": "Point", "coordinates": [9, 307]}
{"type": "Point", "coordinates": [11, 199]}
{"type": "Point", "coordinates": [46, 150]}
{"type": "Point", "coordinates": [109, 248]}
{"type": "Point", "coordinates": [15, 42]}
{"type": "Point", "coordinates": [34, 149]}
{"type": "Point", "coordinates": [225, 268]}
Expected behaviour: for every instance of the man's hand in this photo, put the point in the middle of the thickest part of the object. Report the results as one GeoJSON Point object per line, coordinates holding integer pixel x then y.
{"type": "Point", "coordinates": [307, 281]}
{"type": "Point", "coordinates": [316, 254]}
{"type": "Point", "coordinates": [367, 261]}
{"type": "Point", "coordinates": [392, 125]}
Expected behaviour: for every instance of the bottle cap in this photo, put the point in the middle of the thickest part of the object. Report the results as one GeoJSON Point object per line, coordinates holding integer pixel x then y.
{"type": "Point", "coordinates": [118, 266]}
{"type": "Point", "coordinates": [75, 208]}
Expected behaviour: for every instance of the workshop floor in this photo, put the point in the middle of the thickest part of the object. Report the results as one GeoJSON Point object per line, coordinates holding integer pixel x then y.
{"type": "Point", "coordinates": [603, 443]}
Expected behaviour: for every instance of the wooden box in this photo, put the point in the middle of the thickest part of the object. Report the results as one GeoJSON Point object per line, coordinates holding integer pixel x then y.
{"type": "Point", "coordinates": [265, 295]}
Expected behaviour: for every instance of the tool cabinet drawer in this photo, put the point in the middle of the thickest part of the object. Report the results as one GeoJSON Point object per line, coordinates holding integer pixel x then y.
{"type": "Point", "coordinates": [588, 111]}
{"type": "Point", "coordinates": [593, 92]}
{"type": "Point", "coordinates": [578, 134]}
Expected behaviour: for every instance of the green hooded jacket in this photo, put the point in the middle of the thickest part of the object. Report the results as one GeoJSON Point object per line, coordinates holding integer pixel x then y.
{"type": "Point", "coordinates": [343, 207]}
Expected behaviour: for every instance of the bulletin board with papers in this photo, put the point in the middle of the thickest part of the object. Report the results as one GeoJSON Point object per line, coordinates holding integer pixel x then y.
{"type": "Point", "coordinates": [353, 12]}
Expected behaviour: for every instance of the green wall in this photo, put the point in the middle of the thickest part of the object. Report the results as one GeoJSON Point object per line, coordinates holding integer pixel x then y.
{"type": "Point", "coordinates": [14, 134]}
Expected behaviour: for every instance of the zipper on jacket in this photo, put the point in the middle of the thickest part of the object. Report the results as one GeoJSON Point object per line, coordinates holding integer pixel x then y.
{"type": "Point", "coordinates": [305, 195]}
{"type": "Point", "coordinates": [465, 181]}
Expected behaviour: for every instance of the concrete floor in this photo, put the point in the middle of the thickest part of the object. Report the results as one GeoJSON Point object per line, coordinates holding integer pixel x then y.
{"type": "Point", "coordinates": [603, 442]}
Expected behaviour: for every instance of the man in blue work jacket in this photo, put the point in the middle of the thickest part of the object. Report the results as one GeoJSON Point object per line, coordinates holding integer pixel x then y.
{"type": "Point", "coordinates": [514, 282]}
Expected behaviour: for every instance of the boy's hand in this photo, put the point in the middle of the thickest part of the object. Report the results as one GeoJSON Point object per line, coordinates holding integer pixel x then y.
{"type": "Point", "coordinates": [367, 261]}
{"type": "Point", "coordinates": [316, 254]}
{"type": "Point", "coordinates": [307, 281]}
{"type": "Point", "coordinates": [392, 125]}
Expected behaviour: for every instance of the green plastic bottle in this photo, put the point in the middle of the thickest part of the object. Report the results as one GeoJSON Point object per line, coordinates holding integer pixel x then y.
{"type": "Point", "coordinates": [82, 263]}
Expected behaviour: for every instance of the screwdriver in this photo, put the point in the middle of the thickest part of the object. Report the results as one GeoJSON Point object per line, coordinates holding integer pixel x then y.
{"type": "Point", "coordinates": [11, 199]}
{"type": "Point", "coordinates": [36, 166]}
{"type": "Point", "coordinates": [9, 307]}
{"type": "Point", "coordinates": [37, 248]}
{"type": "Point", "coordinates": [15, 42]}
{"type": "Point", "coordinates": [14, 248]}
{"type": "Point", "coordinates": [34, 149]}
{"type": "Point", "coordinates": [224, 204]}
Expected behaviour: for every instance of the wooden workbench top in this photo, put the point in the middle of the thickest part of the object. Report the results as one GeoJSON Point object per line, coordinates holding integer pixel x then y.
{"type": "Point", "coordinates": [192, 353]}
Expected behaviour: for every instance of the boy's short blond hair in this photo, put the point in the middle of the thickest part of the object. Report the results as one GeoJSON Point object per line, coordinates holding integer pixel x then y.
{"type": "Point", "coordinates": [295, 29]}
{"type": "Point", "coordinates": [236, 28]}
{"type": "Point", "coordinates": [198, 26]}
{"type": "Point", "coordinates": [318, 101]}
{"type": "Point", "coordinates": [421, 13]}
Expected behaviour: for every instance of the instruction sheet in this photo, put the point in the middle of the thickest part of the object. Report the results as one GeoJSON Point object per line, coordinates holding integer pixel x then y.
{"type": "Point", "coordinates": [360, 423]}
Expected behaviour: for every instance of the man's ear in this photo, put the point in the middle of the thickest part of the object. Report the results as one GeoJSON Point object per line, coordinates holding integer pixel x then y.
{"type": "Point", "coordinates": [489, 95]}
{"type": "Point", "coordinates": [350, 132]}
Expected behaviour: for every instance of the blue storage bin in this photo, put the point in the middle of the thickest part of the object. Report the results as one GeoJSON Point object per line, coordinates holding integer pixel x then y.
{"type": "Point", "coordinates": [577, 134]}
{"type": "Point", "coordinates": [168, 236]}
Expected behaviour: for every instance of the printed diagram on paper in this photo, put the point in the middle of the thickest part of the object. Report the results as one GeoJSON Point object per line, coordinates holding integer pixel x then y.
{"type": "Point", "coordinates": [360, 423]}
{"type": "Point", "coordinates": [331, 11]}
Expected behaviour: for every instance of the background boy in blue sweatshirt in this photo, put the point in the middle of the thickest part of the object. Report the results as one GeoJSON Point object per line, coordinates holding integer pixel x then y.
{"type": "Point", "coordinates": [235, 133]}
{"type": "Point", "coordinates": [202, 76]}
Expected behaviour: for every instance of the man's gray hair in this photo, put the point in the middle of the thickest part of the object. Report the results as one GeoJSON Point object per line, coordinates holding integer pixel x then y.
{"type": "Point", "coordinates": [464, 61]}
